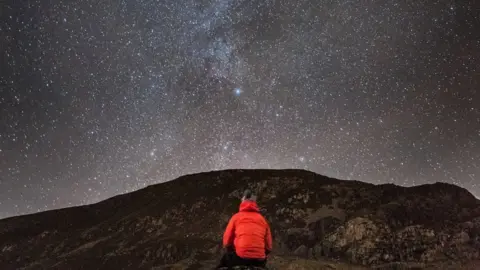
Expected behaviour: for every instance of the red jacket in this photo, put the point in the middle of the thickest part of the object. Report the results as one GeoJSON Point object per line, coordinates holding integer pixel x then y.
{"type": "Point", "coordinates": [248, 232]}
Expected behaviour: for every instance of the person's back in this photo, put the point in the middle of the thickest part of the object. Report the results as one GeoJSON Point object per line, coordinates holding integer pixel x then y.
{"type": "Point", "coordinates": [247, 236]}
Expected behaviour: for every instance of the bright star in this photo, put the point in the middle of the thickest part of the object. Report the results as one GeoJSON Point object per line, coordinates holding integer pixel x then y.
{"type": "Point", "coordinates": [238, 91]}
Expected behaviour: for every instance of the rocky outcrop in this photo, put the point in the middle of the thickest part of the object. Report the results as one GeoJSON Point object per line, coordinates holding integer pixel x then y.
{"type": "Point", "coordinates": [318, 221]}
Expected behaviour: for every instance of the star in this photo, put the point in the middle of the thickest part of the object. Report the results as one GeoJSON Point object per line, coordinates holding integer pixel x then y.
{"type": "Point", "coordinates": [238, 92]}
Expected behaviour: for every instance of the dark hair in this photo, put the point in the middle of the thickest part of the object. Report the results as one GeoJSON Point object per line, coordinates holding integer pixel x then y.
{"type": "Point", "coordinates": [247, 194]}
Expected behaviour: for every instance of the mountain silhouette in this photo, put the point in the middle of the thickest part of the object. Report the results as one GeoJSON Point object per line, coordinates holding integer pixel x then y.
{"type": "Point", "coordinates": [317, 223]}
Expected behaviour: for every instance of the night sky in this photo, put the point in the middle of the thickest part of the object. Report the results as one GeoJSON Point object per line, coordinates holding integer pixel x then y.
{"type": "Point", "coordinates": [99, 98]}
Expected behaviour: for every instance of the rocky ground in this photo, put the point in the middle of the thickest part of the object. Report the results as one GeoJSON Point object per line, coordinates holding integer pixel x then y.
{"type": "Point", "coordinates": [317, 222]}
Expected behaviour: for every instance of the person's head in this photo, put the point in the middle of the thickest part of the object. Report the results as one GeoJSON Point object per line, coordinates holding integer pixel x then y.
{"type": "Point", "coordinates": [248, 196]}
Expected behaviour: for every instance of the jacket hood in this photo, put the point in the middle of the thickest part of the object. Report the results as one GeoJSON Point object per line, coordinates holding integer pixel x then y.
{"type": "Point", "coordinates": [249, 206]}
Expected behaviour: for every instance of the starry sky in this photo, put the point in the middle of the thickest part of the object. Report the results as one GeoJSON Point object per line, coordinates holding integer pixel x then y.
{"type": "Point", "coordinates": [99, 98]}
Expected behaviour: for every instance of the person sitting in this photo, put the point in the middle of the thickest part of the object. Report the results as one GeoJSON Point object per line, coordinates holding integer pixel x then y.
{"type": "Point", "coordinates": [247, 238]}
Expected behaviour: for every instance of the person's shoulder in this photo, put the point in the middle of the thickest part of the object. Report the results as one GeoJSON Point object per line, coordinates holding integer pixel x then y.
{"type": "Point", "coordinates": [235, 216]}
{"type": "Point", "coordinates": [260, 216]}
{"type": "Point", "coordinates": [263, 218]}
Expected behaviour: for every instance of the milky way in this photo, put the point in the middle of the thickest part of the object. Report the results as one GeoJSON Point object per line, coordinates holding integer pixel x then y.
{"type": "Point", "coordinates": [100, 98]}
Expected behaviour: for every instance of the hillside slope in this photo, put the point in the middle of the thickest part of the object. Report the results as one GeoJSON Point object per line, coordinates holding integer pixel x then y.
{"type": "Point", "coordinates": [329, 223]}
